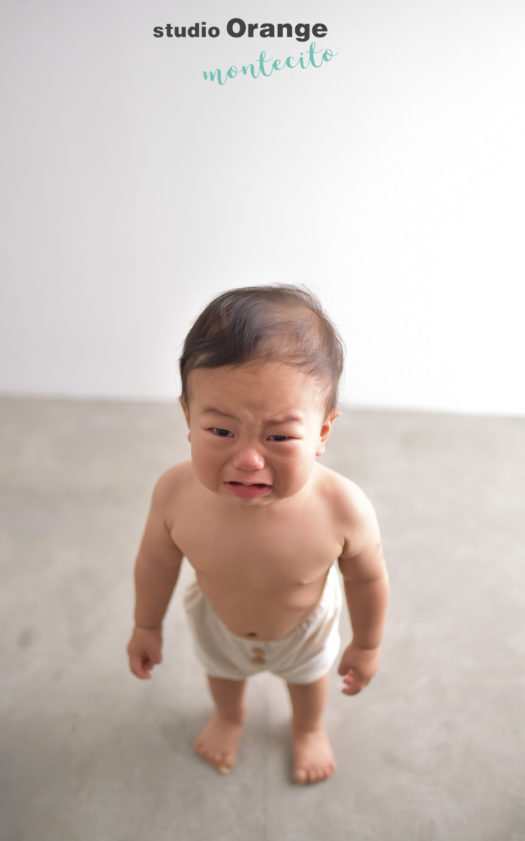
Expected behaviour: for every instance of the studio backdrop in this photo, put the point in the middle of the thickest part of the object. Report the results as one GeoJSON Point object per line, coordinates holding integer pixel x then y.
{"type": "Point", "coordinates": [158, 153]}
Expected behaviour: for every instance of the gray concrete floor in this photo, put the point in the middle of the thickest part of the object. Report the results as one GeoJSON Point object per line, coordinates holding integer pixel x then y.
{"type": "Point", "coordinates": [434, 748]}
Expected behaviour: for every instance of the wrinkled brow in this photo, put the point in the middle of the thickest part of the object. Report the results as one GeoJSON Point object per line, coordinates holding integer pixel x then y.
{"type": "Point", "coordinates": [278, 419]}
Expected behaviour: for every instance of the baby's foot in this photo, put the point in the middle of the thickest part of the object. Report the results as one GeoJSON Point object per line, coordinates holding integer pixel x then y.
{"type": "Point", "coordinates": [313, 756]}
{"type": "Point", "coordinates": [218, 742]}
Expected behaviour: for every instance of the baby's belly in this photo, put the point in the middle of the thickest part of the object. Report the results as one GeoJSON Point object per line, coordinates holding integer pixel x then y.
{"type": "Point", "coordinates": [266, 617]}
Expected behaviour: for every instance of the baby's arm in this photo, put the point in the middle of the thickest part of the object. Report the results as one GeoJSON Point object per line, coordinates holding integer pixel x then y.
{"type": "Point", "coordinates": [365, 577]}
{"type": "Point", "coordinates": [156, 571]}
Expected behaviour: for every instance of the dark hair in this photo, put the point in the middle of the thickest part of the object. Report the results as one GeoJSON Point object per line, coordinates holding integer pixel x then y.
{"type": "Point", "coordinates": [281, 322]}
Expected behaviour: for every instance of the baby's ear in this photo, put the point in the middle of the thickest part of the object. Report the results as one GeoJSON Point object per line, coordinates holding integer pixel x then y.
{"type": "Point", "coordinates": [326, 429]}
{"type": "Point", "coordinates": [186, 411]}
{"type": "Point", "coordinates": [182, 401]}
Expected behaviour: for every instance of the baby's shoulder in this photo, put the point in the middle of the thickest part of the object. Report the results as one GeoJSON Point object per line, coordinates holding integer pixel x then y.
{"type": "Point", "coordinates": [346, 500]}
{"type": "Point", "coordinates": [352, 511]}
{"type": "Point", "coordinates": [172, 483]}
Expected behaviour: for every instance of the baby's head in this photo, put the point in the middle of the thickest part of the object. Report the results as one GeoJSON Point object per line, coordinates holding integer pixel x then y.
{"type": "Point", "coordinates": [266, 324]}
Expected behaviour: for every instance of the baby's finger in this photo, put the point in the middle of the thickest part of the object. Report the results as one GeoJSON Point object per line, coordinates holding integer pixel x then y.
{"type": "Point", "coordinates": [355, 691]}
{"type": "Point", "coordinates": [352, 686]}
{"type": "Point", "coordinates": [140, 666]}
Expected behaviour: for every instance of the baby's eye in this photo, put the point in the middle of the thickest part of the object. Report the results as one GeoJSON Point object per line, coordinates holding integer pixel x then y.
{"type": "Point", "coordinates": [222, 433]}
{"type": "Point", "coordinates": [279, 438]}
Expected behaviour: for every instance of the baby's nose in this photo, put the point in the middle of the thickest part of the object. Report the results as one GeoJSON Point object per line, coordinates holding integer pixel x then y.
{"type": "Point", "coordinates": [248, 458]}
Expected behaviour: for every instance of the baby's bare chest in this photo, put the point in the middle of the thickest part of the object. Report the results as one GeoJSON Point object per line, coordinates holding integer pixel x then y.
{"type": "Point", "coordinates": [266, 556]}
{"type": "Point", "coordinates": [262, 575]}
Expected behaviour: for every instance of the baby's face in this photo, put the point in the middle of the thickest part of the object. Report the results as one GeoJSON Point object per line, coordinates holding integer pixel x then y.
{"type": "Point", "coordinates": [255, 430]}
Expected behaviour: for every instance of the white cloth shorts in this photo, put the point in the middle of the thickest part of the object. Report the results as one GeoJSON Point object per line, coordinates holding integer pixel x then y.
{"type": "Point", "coordinates": [302, 656]}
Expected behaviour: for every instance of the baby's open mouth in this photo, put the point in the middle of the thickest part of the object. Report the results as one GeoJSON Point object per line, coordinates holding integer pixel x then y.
{"type": "Point", "coordinates": [248, 490]}
{"type": "Point", "coordinates": [250, 484]}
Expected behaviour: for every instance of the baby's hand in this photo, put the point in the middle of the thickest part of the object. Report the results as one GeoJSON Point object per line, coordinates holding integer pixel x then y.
{"type": "Point", "coordinates": [358, 666]}
{"type": "Point", "coordinates": [144, 651]}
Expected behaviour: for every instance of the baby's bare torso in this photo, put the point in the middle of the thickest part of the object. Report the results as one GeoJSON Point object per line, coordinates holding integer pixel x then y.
{"type": "Point", "coordinates": [264, 569]}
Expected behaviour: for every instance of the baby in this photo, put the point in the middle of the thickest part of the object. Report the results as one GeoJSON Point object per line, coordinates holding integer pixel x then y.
{"type": "Point", "coordinates": [261, 522]}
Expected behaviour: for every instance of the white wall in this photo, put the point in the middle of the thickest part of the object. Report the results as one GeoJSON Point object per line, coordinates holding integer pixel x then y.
{"type": "Point", "coordinates": [390, 180]}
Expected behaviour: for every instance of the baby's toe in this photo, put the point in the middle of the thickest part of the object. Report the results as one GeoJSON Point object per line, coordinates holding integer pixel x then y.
{"type": "Point", "coordinates": [301, 776]}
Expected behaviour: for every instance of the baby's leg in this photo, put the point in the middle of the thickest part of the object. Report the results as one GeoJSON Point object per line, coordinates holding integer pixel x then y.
{"type": "Point", "coordinates": [220, 739]}
{"type": "Point", "coordinates": [313, 755]}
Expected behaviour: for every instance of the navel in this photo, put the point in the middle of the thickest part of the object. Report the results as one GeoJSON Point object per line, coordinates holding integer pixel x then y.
{"type": "Point", "coordinates": [251, 634]}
